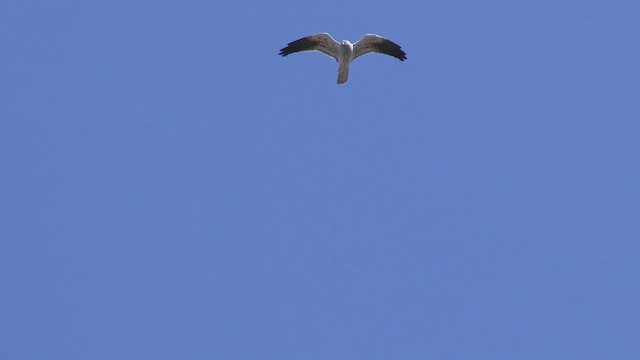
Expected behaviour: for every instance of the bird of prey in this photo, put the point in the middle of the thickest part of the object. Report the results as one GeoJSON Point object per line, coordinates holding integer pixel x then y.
{"type": "Point", "coordinates": [345, 52]}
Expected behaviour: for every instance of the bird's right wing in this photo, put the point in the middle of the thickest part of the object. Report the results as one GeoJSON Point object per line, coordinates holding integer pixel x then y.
{"type": "Point", "coordinates": [372, 43]}
{"type": "Point", "coordinates": [318, 42]}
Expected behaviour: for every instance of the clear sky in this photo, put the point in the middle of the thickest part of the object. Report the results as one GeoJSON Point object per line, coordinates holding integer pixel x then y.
{"type": "Point", "coordinates": [171, 188]}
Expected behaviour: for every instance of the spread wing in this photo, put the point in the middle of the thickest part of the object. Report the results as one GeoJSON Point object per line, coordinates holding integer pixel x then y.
{"type": "Point", "coordinates": [318, 42]}
{"type": "Point", "coordinates": [377, 44]}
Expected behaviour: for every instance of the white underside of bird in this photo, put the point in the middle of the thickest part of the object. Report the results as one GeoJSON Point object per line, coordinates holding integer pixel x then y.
{"type": "Point", "coordinates": [344, 53]}
{"type": "Point", "coordinates": [345, 57]}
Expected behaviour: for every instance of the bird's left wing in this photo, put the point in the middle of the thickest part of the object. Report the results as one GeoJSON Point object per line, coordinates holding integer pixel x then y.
{"type": "Point", "coordinates": [377, 44]}
{"type": "Point", "coordinates": [318, 42]}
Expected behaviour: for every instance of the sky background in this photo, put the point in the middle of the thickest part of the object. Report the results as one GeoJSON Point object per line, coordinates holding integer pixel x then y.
{"type": "Point", "coordinates": [171, 188]}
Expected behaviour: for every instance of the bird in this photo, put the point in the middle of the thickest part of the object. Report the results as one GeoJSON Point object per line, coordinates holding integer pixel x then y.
{"type": "Point", "coordinates": [345, 52]}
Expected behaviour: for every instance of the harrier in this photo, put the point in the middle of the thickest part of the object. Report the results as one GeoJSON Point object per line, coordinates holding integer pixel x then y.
{"type": "Point", "coordinates": [345, 52]}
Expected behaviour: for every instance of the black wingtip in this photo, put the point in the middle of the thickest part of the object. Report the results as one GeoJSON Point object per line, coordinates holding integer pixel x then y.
{"type": "Point", "coordinates": [390, 48]}
{"type": "Point", "coordinates": [289, 49]}
{"type": "Point", "coordinates": [399, 53]}
{"type": "Point", "coordinates": [303, 44]}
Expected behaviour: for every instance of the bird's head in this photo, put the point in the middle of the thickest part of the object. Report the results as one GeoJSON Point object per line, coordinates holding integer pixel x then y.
{"type": "Point", "coordinates": [346, 42]}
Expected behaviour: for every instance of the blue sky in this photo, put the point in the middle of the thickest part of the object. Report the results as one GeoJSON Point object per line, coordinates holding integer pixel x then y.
{"type": "Point", "coordinates": [172, 188]}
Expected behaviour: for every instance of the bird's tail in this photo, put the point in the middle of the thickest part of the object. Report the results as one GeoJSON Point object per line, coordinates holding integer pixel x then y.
{"type": "Point", "coordinates": [343, 74]}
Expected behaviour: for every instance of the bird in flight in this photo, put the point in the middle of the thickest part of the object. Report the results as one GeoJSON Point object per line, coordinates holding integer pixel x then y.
{"type": "Point", "coordinates": [345, 52]}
